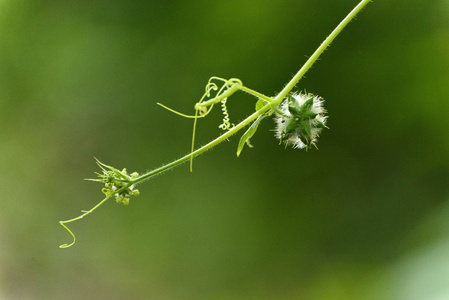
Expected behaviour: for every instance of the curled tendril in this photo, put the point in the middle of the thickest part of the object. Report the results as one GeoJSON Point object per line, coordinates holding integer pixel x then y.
{"type": "Point", "coordinates": [71, 233]}
{"type": "Point", "coordinates": [206, 103]}
{"type": "Point", "coordinates": [226, 125]}
{"type": "Point", "coordinates": [85, 213]}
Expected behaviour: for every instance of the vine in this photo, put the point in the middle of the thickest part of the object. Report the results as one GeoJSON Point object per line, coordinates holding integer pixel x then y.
{"type": "Point", "coordinates": [300, 118]}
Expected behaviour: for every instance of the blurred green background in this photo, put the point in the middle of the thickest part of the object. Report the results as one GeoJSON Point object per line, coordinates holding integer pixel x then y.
{"type": "Point", "coordinates": [365, 217]}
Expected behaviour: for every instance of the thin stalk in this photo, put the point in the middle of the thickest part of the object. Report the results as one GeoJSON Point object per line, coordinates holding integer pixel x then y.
{"type": "Point", "coordinates": [319, 51]}
{"type": "Point", "coordinates": [204, 148]}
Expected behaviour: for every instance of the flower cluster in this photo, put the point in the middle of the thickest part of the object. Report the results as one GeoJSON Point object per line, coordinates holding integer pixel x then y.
{"type": "Point", "coordinates": [117, 183]}
{"type": "Point", "coordinates": [300, 119]}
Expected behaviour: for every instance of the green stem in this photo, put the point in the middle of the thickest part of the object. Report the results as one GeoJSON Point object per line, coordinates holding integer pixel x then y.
{"type": "Point", "coordinates": [255, 93]}
{"type": "Point", "coordinates": [319, 51]}
{"type": "Point", "coordinates": [273, 103]}
{"type": "Point", "coordinates": [206, 147]}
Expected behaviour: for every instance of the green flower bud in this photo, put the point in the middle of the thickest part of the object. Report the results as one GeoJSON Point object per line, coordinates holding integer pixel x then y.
{"type": "Point", "coordinates": [125, 201]}
{"type": "Point", "coordinates": [119, 198]}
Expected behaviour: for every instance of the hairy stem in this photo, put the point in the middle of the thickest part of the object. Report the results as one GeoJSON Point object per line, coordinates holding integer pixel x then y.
{"type": "Point", "coordinates": [272, 103]}
{"type": "Point", "coordinates": [206, 147]}
{"type": "Point", "coordinates": [319, 51]}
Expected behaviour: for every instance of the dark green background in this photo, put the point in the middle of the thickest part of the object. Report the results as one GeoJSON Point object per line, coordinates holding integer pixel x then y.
{"type": "Point", "coordinates": [364, 217]}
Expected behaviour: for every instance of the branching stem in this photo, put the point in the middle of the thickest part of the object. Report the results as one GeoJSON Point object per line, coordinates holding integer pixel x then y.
{"type": "Point", "coordinates": [272, 103]}
{"type": "Point", "coordinates": [228, 89]}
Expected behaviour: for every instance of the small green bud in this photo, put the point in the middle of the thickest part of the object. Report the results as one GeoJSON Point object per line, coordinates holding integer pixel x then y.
{"type": "Point", "coordinates": [134, 175]}
{"type": "Point", "coordinates": [125, 201]}
{"type": "Point", "coordinates": [135, 193]}
{"type": "Point", "coordinates": [119, 198]}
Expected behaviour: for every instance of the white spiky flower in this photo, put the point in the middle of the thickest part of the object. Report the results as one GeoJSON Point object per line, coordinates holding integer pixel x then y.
{"type": "Point", "coordinates": [300, 119]}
